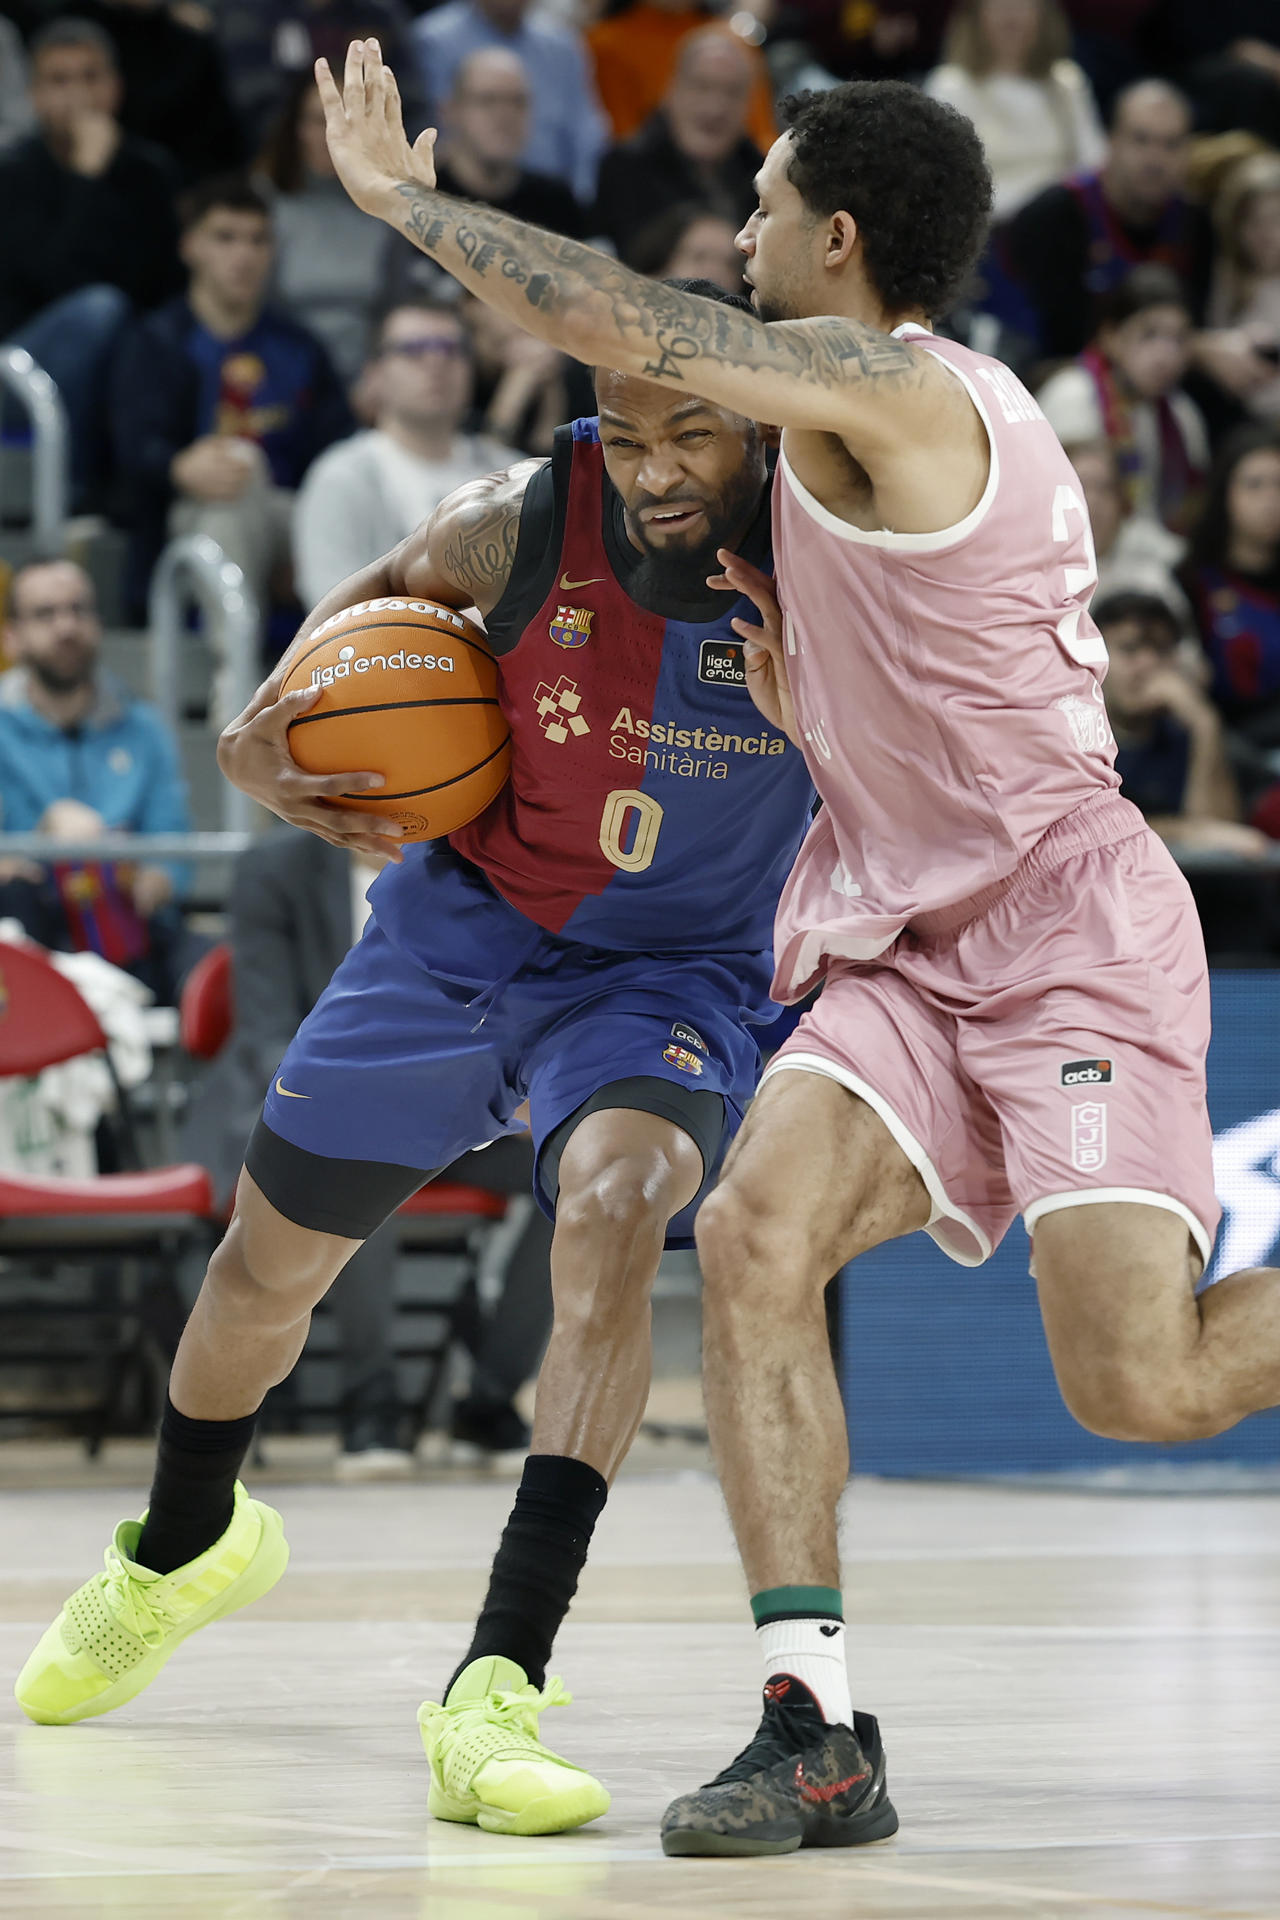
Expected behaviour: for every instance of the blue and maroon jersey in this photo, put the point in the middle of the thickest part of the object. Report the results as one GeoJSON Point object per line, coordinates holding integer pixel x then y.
{"type": "Point", "coordinates": [650, 806]}
{"type": "Point", "coordinates": [1239, 620]}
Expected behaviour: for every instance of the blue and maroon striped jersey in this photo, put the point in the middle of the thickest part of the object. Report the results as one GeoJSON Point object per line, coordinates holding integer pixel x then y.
{"type": "Point", "coordinates": [650, 806]}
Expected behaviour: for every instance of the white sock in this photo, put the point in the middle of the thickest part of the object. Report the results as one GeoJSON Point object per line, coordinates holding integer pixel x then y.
{"type": "Point", "coordinates": [811, 1650]}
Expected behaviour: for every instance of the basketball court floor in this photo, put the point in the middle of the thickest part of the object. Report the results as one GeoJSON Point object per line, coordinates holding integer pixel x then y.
{"type": "Point", "coordinates": [1080, 1694]}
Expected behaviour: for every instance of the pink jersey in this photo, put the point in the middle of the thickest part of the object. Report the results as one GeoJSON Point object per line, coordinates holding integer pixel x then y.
{"type": "Point", "coordinates": [948, 686]}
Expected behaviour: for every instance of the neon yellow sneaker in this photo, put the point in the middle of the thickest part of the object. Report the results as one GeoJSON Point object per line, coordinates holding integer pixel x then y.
{"type": "Point", "coordinates": [116, 1631]}
{"type": "Point", "coordinates": [489, 1768]}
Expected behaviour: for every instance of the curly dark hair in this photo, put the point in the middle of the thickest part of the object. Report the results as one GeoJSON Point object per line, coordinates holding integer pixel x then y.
{"type": "Point", "coordinates": [912, 173]}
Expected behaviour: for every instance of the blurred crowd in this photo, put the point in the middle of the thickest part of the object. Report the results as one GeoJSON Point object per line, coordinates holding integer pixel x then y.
{"type": "Point", "coordinates": [242, 353]}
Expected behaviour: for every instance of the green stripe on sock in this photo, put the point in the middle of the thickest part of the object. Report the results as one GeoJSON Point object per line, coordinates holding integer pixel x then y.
{"type": "Point", "coordinates": [807, 1602]}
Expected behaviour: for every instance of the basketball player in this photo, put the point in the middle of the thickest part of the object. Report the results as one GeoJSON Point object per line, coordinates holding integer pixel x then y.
{"type": "Point", "coordinates": [1015, 1010]}
{"type": "Point", "coordinates": [598, 942]}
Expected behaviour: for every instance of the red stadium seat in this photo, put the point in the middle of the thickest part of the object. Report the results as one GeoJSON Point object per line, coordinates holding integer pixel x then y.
{"type": "Point", "coordinates": [207, 1014]}
{"type": "Point", "coordinates": [127, 1229]}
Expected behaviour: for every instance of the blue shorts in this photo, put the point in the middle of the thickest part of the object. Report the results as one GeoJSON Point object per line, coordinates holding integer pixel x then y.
{"type": "Point", "coordinates": [454, 1008]}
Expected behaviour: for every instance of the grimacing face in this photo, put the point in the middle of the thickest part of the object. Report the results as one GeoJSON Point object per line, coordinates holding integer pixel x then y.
{"type": "Point", "coordinates": [690, 475]}
{"type": "Point", "coordinates": [782, 243]}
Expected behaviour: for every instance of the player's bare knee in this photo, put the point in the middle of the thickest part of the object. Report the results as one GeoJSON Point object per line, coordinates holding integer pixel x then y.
{"type": "Point", "coordinates": [1137, 1402]}
{"type": "Point", "coordinates": [743, 1246]}
{"type": "Point", "coordinates": [616, 1219]}
{"type": "Point", "coordinates": [271, 1278]}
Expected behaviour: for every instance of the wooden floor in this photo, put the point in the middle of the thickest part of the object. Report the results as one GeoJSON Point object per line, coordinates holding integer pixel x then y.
{"type": "Point", "coordinates": [1080, 1696]}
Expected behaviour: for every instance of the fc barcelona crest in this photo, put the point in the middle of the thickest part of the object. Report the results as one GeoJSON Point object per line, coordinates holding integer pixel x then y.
{"type": "Point", "coordinates": [571, 626]}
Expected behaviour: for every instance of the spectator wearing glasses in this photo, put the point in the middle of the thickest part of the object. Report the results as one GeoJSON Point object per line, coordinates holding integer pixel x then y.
{"type": "Point", "coordinates": [369, 492]}
{"type": "Point", "coordinates": [696, 147]}
{"type": "Point", "coordinates": [567, 130]}
{"type": "Point", "coordinates": [80, 757]}
{"type": "Point", "coordinates": [485, 131]}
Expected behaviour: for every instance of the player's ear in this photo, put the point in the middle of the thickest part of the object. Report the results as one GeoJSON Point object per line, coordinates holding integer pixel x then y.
{"type": "Point", "coordinates": [842, 233]}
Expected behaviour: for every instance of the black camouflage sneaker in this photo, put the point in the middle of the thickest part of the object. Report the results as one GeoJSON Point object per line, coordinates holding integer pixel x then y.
{"type": "Point", "coordinates": [800, 1783]}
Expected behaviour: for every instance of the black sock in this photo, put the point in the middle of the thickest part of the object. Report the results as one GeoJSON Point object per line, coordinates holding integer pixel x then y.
{"type": "Point", "coordinates": [535, 1571]}
{"type": "Point", "coordinates": [193, 1493]}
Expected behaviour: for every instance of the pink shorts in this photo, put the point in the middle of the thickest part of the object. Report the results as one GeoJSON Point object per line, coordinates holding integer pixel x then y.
{"type": "Point", "coordinates": [1048, 1052]}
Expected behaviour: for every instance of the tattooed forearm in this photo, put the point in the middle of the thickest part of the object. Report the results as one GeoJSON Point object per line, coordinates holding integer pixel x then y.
{"type": "Point", "coordinates": [593, 307]}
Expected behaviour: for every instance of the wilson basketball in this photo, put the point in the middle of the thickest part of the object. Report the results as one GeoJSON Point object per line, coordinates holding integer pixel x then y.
{"type": "Point", "coordinates": [408, 690]}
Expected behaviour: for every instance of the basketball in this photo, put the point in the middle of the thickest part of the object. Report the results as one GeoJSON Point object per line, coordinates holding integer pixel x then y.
{"type": "Point", "coordinates": [408, 690]}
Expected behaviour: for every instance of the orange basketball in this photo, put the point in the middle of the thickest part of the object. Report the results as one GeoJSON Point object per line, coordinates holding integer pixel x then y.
{"type": "Point", "coordinates": [408, 690]}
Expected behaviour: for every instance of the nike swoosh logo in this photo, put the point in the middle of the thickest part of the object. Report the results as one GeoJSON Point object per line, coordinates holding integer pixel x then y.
{"type": "Point", "coordinates": [281, 1088]}
{"type": "Point", "coordinates": [823, 1796]}
{"type": "Point", "coordinates": [571, 586]}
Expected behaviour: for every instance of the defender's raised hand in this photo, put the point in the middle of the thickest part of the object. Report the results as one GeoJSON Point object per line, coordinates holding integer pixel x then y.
{"type": "Point", "coordinates": [364, 127]}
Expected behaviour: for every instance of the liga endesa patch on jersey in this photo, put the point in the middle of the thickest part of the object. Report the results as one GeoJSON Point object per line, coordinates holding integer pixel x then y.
{"type": "Point", "coordinates": [720, 664]}
{"type": "Point", "coordinates": [1086, 1073]}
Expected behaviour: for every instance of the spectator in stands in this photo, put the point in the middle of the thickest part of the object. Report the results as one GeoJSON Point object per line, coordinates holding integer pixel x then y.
{"type": "Point", "coordinates": [267, 44]}
{"type": "Point", "coordinates": [1134, 551]}
{"type": "Point", "coordinates": [1006, 68]}
{"type": "Point", "coordinates": [86, 228]}
{"type": "Point", "coordinates": [16, 116]}
{"type": "Point", "coordinates": [1246, 282]}
{"type": "Point", "coordinates": [1075, 243]}
{"type": "Point", "coordinates": [1126, 389]}
{"type": "Point", "coordinates": [694, 148]}
{"type": "Point", "coordinates": [219, 403]}
{"type": "Point", "coordinates": [1169, 746]}
{"type": "Point", "coordinates": [568, 131]}
{"type": "Point", "coordinates": [1233, 579]}
{"type": "Point", "coordinates": [297, 904]}
{"type": "Point", "coordinates": [175, 86]}
{"type": "Point", "coordinates": [484, 132]}
{"type": "Point", "coordinates": [328, 253]}
{"type": "Point", "coordinates": [688, 242]}
{"type": "Point", "coordinates": [79, 757]}
{"type": "Point", "coordinates": [635, 50]}
{"type": "Point", "coordinates": [524, 389]}
{"type": "Point", "coordinates": [368, 493]}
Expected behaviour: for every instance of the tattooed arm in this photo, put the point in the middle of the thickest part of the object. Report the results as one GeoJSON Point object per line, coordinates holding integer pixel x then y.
{"type": "Point", "coordinates": [461, 557]}
{"type": "Point", "coordinates": [826, 374]}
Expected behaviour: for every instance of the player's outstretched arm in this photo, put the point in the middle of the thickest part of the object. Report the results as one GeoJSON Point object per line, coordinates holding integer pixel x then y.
{"type": "Point", "coordinates": [827, 375]}
{"type": "Point", "coordinates": [460, 557]}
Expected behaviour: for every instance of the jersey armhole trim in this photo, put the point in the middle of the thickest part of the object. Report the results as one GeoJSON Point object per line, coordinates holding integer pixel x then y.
{"type": "Point", "coordinates": [939, 542]}
{"type": "Point", "coordinates": [538, 543]}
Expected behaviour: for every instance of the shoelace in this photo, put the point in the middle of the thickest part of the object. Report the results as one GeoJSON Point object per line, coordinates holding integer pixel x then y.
{"type": "Point", "coordinates": [516, 1711]}
{"type": "Point", "coordinates": [782, 1733]}
{"type": "Point", "coordinates": [138, 1607]}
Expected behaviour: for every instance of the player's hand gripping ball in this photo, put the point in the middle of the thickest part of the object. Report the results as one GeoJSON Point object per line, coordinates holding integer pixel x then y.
{"type": "Point", "coordinates": [408, 690]}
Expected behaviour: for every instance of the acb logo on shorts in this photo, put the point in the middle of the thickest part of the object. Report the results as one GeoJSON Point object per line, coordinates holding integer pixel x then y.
{"type": "Point", "coordinates": [1086, 1073]}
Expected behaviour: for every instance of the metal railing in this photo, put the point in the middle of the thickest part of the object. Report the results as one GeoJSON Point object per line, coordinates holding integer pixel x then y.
{"type": "Point", "coordinates": [28, 382]}
{"type": "Point", "coordinates": [194, 568]}
{"type": "Point", "coordinates": [146, 847]}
